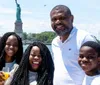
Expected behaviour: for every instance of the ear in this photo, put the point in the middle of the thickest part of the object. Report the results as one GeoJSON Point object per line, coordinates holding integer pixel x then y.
{"type": "Point", "coordinates": [72, 18]}
{"type": "Point", "coordinates": [98, 60]}
{"type": "Point", "coordinates": [99, 63]}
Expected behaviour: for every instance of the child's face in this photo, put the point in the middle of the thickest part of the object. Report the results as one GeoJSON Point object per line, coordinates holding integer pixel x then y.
{"type": "Point", "coordinates": [35, 58]}
{"type": "Point", "coordinates": [11, 46]}
{"type": "Point", "coordinates": [88, 59]}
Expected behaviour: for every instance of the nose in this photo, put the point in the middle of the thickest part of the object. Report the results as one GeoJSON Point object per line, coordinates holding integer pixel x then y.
{"type": "Point", "coordinates": [58, 21]}
{"type": "Point", "coordinates": [84, 59]}
{"type": "Point", "coordinates": [36, 57]}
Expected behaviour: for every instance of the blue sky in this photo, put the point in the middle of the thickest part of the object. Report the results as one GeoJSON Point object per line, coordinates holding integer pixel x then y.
{"type": "Point", "coordinates": [36, 19]}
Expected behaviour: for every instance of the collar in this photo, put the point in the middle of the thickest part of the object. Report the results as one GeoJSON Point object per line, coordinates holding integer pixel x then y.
{"type": "Point", "coordinates": [10, 65]}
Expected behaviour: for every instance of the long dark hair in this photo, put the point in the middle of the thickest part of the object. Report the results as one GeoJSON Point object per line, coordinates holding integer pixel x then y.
{"type": "Point", "coordinates": [45, 72]}
{"type": "Point", "coordinates": [19, 53]}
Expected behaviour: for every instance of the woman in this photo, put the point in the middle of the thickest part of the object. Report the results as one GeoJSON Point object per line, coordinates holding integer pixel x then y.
{"type": "Point", "coordinates": [36, 67]}
{"type": "Point", "coordinates": [11, 50]}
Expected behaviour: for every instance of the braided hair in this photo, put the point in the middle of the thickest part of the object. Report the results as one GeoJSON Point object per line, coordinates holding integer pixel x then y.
{"type": "Point", "coordinates": [18, 54]}
{"type": "Point", "coordinates": [45, 71]}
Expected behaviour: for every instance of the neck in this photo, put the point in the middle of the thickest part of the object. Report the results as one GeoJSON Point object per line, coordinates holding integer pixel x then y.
{"type": "Point", "coordinates": [8, 59]}
{"type": "Point", "coordinates": [93, 73]}
{"type": "Point", "coordinates": [64, 37]}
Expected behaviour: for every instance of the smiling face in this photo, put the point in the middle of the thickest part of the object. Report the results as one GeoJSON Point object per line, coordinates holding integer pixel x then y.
{"type": "Point", "coordinates": [61, 22]}
{"type": "Point", "coordinates": [35, 58]}
{"type": "Point", "coordinates": [88, 60]}
{"type": "Point", "coordinates": [11, 46]}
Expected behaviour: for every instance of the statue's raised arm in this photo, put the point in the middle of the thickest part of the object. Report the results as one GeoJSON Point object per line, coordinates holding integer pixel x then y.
{"type": "Point", "coordinates": [18, 11]}
{"type": "Point", "coordinates": [16, 2]}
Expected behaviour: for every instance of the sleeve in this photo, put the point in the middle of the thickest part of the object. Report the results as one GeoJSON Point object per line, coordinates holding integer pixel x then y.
{"type": "Point", "coordinates": [8, 81]}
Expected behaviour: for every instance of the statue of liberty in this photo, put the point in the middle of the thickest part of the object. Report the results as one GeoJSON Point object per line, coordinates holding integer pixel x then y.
{"type": "Point", "coordinates": [18, 11]}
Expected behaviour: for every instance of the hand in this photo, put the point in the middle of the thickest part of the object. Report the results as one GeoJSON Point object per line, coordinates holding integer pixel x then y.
{"type": "Point", "coordinates": [2, 82]}
{"type": "Point", "coordinates": [1, 78]}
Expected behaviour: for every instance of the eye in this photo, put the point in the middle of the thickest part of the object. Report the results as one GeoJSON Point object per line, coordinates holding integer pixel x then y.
{"type": "Point", "coordinates": [8, 44]}
{"type": "Point", "coordinates": [53, 19]}
{"type": "Point", "coordinates": [81, 56]}
{"type": "Point", "coordinates": [62, 18]}
{"type": "Point", "coordinates": [14, 45]}
{"type": "Point", "coordinates": [32, 55]}
{"type": "Point", "coordinates": [91, 57]}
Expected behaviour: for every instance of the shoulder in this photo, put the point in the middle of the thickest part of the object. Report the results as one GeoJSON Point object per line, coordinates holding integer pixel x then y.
{"type": "Point", "coordinates": [55, 40]}
{"type": "Point", "coordinates": [83, 33]}
{"type": "Point", "coordinates": [15, 67]}
{"type": "Point", "coordinates": [96, 80]}
{"type": "Point", "coordinates": [84, 36]}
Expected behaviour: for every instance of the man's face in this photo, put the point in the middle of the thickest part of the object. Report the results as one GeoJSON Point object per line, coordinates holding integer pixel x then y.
{"type": "Point", "coordinates": [61, 22]}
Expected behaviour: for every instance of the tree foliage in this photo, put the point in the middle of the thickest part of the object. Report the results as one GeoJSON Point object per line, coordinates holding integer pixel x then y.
{"type": "Point", "coordinates": [45, 37]}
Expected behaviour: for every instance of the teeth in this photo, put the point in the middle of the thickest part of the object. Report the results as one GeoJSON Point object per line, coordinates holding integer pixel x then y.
{"type": "Point", "coordinates": [59, 26]}
{"type": "Point", "coordinates": [36, 62]}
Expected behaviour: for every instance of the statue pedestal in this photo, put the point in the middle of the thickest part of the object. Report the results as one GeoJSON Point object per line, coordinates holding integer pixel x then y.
{"type": "Point", "coordinates": [18, 28]}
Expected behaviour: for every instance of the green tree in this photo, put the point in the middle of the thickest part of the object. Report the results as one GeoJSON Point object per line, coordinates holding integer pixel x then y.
{"type": "Point", "coordinates": [24, 36]}
{"type": "Point", "coordinates": [45, 37]}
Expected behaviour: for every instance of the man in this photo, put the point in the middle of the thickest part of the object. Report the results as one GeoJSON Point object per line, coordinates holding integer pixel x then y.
{"type": "Point", "coordinates": [66, 47]}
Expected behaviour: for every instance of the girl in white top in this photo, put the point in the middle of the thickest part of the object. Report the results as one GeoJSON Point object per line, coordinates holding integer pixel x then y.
{"type": "Point", "coordinates": [36, 67]}
{"type": "Point", "coordinates": [89, 58]}
{"type": "Point", "coordinates": [11, 51]}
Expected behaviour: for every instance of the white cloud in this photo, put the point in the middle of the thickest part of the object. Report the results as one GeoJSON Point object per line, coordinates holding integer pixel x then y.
{"type": "Point", "coordinates": [12, 11]}
{"type": "Point", "coordinates": [93, 28]}
{"type": "Point", "coordinates": [6, 25]}
{"type": "Point", "coordinates": [26, 12]}
{"type": "Point", "coordinates": [6, 10]}
{"type": "Point", "coordinates": [29, 26]}
{"type": "Point", "coordinates": [36, 26]}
